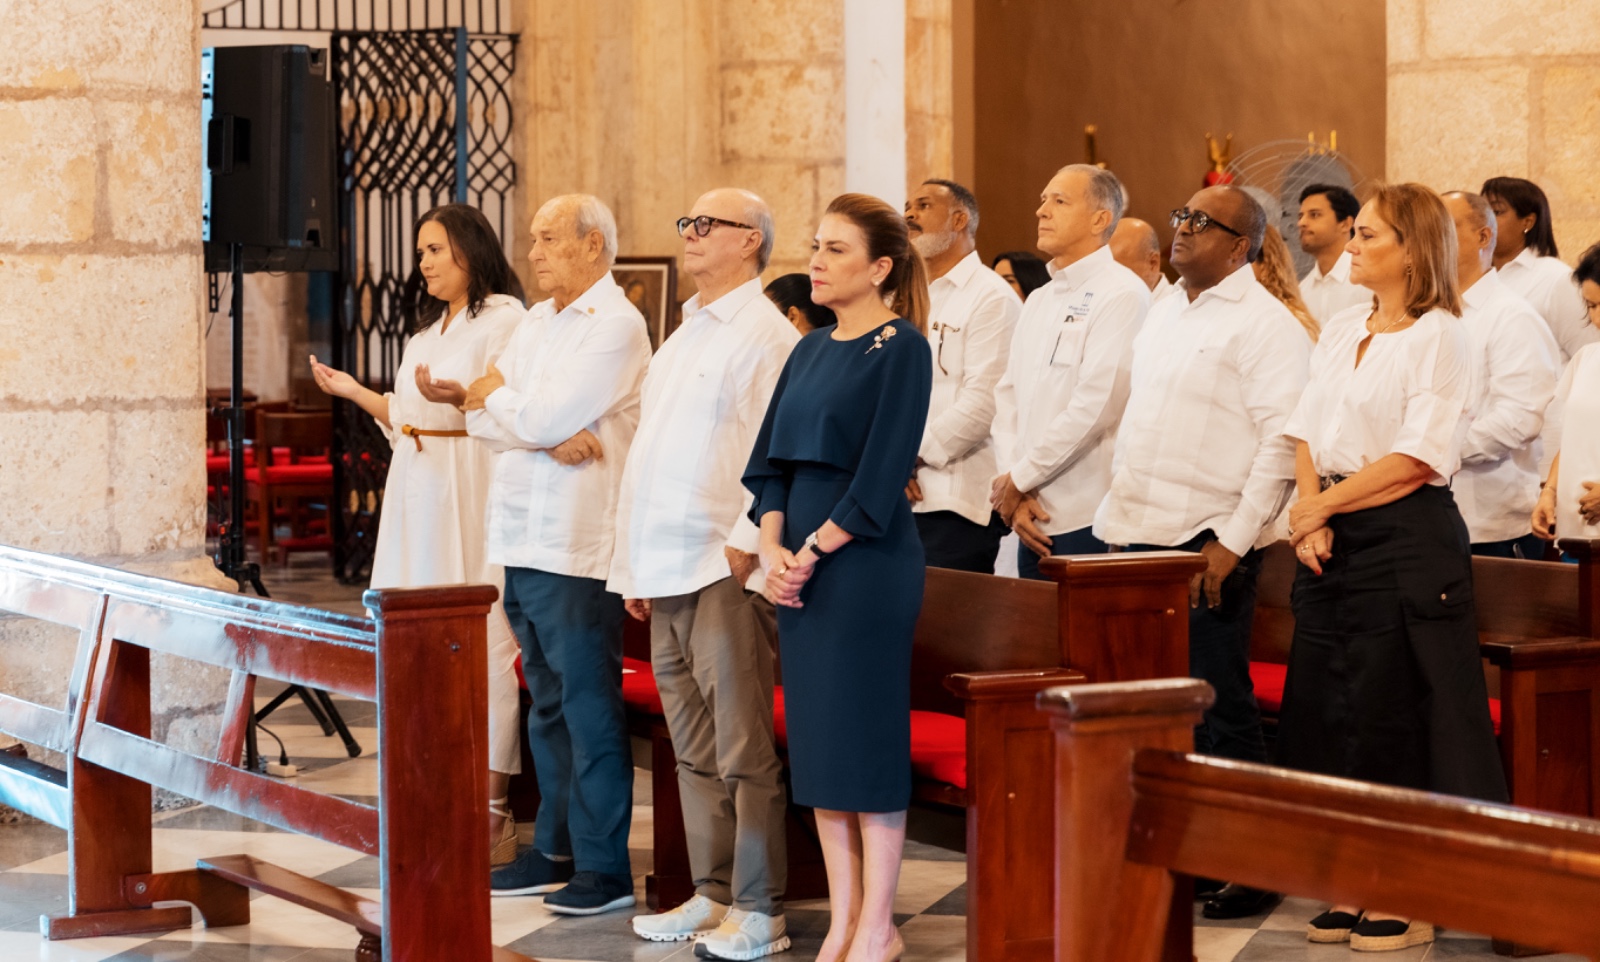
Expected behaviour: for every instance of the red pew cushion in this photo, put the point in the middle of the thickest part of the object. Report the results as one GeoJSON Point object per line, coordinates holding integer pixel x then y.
{"type": "Point", "coordinates": [294, 473]}
{"type": "Point", "coordinates": [638, 686]}
{"type": "Point", "coordinates": [1268, 679]}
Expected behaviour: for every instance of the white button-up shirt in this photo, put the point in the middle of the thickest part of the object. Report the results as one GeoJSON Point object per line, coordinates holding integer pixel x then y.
{"type": "Point", "coordinates": [1408, 396]}
{"type": "Point", "coordinates": [1328, 294]}
{"type": "Point", "coordinates": [973, 316]}
{"type": "Point", "coordinates": [1201, 443]}
{"type": "Point", "coordinates": [1066, 382]}
{"type": "Point", "coordinates": [1162, 289]}
{"type": "Point", "coordinates": [703, 400]}
{"type": "Point", "coordinates": [1547, 284]}
{"type": "Point", "coordinates": [1512, 374]}
{"type": "Point", "coordinates": [565, 371]}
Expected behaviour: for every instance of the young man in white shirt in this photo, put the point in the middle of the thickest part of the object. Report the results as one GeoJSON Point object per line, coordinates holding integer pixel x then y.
{"type": "Point", "coordinates": [1514, 366]}
{"type": "Point", "coordinates": [1202, 463]}
{"type": "Point", "coordinates": [572, 368]}
{"type": "Point", "coordinates": [685, 549]}
{"type": "Point", "coordinates": [1066, 380]}
{"type": "Point", "coordinates": [1327, 222]}
{"type": "Point", "coordinates": [1135, 246]}
{"type": "Point", "coordinates": [973, 313]}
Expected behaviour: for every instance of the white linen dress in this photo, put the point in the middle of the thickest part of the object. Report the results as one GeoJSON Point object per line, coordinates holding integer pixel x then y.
{"type": "Point", "coordinates": [433, 527]}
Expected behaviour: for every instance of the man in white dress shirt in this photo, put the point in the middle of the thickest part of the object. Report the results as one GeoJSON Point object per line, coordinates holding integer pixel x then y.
{"type": "Point", "coordinates": [1514, 366]}
{"type": "Point", "coordinates": [973, 313]}
{"type": "Point", "coordinates": [573, 365]}
{"type": "Point", "coordinates": [1066, 381]}
{"type": "Point", "coordinates": [1327, 222]}
{"type": "Point", "coordinates": [685, 548]}
{"type": "Point", "coordinates": [1202, 463]}
{"type": "Point", "coordinates": [1135, 246]}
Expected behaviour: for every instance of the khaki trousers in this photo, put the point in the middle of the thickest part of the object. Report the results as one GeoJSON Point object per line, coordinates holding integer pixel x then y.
{"type": "Point", "coordinates": [712, 655]}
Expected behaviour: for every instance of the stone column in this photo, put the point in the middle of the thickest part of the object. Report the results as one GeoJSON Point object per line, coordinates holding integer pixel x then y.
{"type": "Point", "coordinates": [1479, 88]}
{"type": "Point", "coordinates": [101, 384]}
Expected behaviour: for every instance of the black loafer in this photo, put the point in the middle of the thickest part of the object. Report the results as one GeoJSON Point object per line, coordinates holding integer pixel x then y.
{"type": "Point", "coordinates": [1235, 901]}
{"type": "Point", "coordinates": [1205, 888]}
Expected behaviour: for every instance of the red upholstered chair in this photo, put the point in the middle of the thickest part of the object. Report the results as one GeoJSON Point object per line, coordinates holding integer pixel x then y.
{"type": "Point", "coordinates": [292, 472]}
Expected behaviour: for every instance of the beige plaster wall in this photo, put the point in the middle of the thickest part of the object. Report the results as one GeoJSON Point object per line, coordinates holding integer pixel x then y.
{"type": "Point", "coordinates": [101, 379]}
{"type": "Point", "coordinates": [647, 105]}
{"type": "Point", "coordinates": [1479, 88]}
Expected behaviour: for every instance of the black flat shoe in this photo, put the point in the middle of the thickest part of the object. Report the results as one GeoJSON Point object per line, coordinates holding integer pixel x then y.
{"type": "Point", "coordinates": [1205, 888]}
{"type": "Point", "coordinates": [1331, 926]}
{"type": "Point", "coordinates": [1235, 901]}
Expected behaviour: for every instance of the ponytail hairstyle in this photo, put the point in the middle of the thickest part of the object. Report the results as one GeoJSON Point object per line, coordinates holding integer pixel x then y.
{"type": "Point", "coordinates": [886, 234]}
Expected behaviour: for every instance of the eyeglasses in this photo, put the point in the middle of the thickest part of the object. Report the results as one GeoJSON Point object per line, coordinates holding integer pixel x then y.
{"type": "Point", "coordinates": [703, 224]}
{"type": "Point", "coordinates": [1198, 220]}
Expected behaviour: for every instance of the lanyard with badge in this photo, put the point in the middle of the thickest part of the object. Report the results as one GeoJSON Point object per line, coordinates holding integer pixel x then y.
{"type": "Point", "coordinates": [1075, 313]}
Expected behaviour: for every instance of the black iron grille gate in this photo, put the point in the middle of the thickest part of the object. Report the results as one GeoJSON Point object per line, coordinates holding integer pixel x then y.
{"type": "Point", "coordinates": [424, 107]}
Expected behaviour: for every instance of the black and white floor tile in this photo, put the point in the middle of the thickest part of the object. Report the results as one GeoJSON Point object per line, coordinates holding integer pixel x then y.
{"type": "Point", "coordinates": [931, 904]}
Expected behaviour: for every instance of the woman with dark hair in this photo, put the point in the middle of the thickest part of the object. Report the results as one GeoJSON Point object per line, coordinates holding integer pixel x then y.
{"type": "Point", "coordinates": [464, 302]}
{"type": "Point", "coordinates": [1385, 682]}
{"type": "Point", "coordinates": [844, 561]}
{"type": "Point", "coordinates": [792, 294]}
{"type": "Point", "coordinates": [1022, 270]}
{"type": "Point", "coordinates": [1527, 260]}
{"type": "Point", "coordinates": [1569, 501]}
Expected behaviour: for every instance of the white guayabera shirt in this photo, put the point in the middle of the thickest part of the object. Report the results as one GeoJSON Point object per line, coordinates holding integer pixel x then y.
{"type": "Point", "coordinates": [565, 372]}
{"type": "Point", "coordinates": [1202, 441]}
{"type": "Point", "coordinates": [1327, 295]}
{"type": "Point", "coordinates": [1547, 284]}
{"type": "Point", "coordinates": [682, 499]}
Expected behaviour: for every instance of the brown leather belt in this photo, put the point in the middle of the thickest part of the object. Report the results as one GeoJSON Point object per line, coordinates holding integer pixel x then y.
{"type": "Point", "coordinates": [417, 434]}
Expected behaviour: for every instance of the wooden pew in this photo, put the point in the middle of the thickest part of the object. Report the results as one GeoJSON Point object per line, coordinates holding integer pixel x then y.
{"type": "Point", "coordinates": [1539, 632]}
{"type": "Point", "coordinates": [984, 648]}
{"type": "Point", "coordinates": [1135, 815]}
{"type": "Point", "coordinates": [421, 659]}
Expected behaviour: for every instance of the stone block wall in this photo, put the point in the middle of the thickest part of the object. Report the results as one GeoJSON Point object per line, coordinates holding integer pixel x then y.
{"type": "Point", "coordinates": [1481, 87]}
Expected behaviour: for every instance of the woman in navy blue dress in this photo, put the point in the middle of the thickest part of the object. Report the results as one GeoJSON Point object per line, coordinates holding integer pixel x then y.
{"type": "Point", "coordinates": [844, 562]}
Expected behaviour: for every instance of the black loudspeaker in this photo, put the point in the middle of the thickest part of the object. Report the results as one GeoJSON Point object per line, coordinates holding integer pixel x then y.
{"type": "Point", "coordinates": [269, 142]}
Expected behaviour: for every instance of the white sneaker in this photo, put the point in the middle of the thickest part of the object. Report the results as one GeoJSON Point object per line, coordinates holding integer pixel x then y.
{"type": "Point", "coordinates": [690, 920]}
{"type": "Point", "coordinates": [743, 936]}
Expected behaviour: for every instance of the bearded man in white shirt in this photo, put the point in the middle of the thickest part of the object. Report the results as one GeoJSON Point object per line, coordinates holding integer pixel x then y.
{"type": "Point", "coordinates": [1066, 380]}
{"type": "Point", "coordinates": [685, 550]}
{"type": "Point", "coordinates": [569, 376]}
{"type": "Point", "coordinates": [1135, 246]}
{"type": "Point", "coordinates": [971, 318]}
{"type": "Point", "coordinates": [1202, 463]}
{"type": "Point", "coordinates": [1513, 371]}
{"type": "Point", "coordinates": [1327, 222]}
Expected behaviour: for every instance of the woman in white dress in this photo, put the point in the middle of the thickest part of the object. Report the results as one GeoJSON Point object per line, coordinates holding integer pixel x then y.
{"type": "Point", "coordinates": [1569, 503]}
{"type": "Point", "coordinates": [432, 531]}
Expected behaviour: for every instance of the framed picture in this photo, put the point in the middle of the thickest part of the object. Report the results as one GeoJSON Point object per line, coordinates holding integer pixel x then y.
{"type": "Point", "coordinates": [651, 283]}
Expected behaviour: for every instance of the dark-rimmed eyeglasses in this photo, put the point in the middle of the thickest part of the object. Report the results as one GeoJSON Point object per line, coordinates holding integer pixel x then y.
{"type": "Point", "coordinates": [703, 224]}
{"type": "Point", "coordinates": [1198, 220]}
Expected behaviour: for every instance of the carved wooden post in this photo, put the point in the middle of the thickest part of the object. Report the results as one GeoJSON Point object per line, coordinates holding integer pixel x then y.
{"type": "Point", "coordinates": [1125, 617]}
{"type": "Point", "coordinates": [1107, 907]}
{"type": "Point", "coordinates": [433, 731]}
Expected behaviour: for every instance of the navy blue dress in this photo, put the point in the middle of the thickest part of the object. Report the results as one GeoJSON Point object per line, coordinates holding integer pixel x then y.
{"type": "Point", "coordinates": [838, 443]}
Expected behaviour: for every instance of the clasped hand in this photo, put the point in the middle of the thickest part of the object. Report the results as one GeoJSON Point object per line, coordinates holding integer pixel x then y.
{"type": "Point", "coordinates": [785, 575]}
{"type": "Point", "coordinates": [1309, 533]}
{"type": "Point", "coordinates": [479, 390]}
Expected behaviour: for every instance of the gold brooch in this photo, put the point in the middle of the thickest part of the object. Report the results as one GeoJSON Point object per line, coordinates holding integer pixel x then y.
{"type": "Point", "coordinates": [883, 335]}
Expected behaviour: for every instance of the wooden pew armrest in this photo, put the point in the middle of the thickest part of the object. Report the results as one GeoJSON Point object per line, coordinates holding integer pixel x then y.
{"type": "Point", "coordinates": [1009, 684]}
{"type": "Point", "coordinates": [1508, 651]}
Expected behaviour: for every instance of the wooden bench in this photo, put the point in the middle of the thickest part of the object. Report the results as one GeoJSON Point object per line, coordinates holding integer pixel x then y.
{"type": "Point", "coordinates": [1539, 632]}
{"type": "Point", "coordinates": [1135, 816]}
{"type": "Point", "coordinates": [421, 659]}
{"type": "Point", "coordinates": [984, 648]}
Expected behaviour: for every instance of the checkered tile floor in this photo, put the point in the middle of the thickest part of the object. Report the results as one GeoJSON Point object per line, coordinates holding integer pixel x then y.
{"type": "Point", "coordinates": [931, 903]}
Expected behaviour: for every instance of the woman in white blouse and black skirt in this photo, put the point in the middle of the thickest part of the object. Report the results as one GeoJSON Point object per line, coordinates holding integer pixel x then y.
{"type": "Point", "coordinates": [1385, 682]}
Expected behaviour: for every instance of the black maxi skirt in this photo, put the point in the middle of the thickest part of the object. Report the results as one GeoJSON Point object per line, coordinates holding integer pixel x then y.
{"type": "Point", "coordinates": [847, 656]}
{"type": "Point", "coordinates": [1385, 683]}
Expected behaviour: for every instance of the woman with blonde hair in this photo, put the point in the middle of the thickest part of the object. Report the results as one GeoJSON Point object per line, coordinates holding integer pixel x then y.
{"type": "Point", "coordinates": [1385, 682]}
{"type": "Point", "coordinates": [1274, 268]}
{"type": "Point", "coordinates": [844, 562]}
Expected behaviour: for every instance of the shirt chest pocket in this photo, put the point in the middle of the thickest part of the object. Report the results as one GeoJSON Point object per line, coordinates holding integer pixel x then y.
{"type": "Point", "coordinates": [703, 389]}
{"type": "Point", "coordinates": [950, 349]}
{"type": "Point", "coordinates": [1065, 347]}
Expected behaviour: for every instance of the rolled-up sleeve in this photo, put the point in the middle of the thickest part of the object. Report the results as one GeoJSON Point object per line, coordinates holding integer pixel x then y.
{"type": "Point", "coordinates": [1432, 425]}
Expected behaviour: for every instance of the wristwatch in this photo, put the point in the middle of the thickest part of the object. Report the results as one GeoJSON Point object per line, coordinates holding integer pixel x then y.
{"type": "Point", "coordinates": [816, 549]}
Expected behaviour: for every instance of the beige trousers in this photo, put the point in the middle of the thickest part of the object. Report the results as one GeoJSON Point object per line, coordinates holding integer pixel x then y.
{"type": "Point", "coordinates": [713, 658]}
